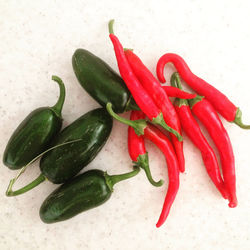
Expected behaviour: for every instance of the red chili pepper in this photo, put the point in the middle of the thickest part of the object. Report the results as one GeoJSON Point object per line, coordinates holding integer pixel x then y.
{"type": "Point", "coordinates": [193, 131]}
{"type": "Point", "coordinates": [162, 142]}
{"type": "Point", "coordinates": [141, 97]}
{"type": "Point", "coordinates": [175, 92]}
{"type": "Point", "coordinates": [160, 97]}
{"type": "Point", "coordinates": [220, 102]}
{"type": "Point", "coordinates": [137, 151]}
{"type": "Point", "coordinates": [208, 116]}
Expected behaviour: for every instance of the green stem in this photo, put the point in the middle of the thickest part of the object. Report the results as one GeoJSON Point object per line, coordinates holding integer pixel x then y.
{"type": "Point", "coordinates": [58, 106]}
{"type": "Point", "coordinates": [131, 105]}
{"type": "Point", "coordinates": [38, 180]}
{"type": "Point", "coordinates": [111, 180]}
{"type": "Point", "coordinates": [41, 178]}
{"type": "Point", "coordinates": [159, 120]}
{"type": "Point", "coordinates": [195, 100]}
{"type": "Point", "coordinates": [111, 24]}
{"type": "Point", "coordinates": [176, 82]}
{"type": "Point", "coordinates": [127, 49]}
{"type": "Point", "coordinates": [137, 125]}
{"type": "Point", "coordinates": [238, 120]}
{"type": "Point", "coordinates": [142, 162]}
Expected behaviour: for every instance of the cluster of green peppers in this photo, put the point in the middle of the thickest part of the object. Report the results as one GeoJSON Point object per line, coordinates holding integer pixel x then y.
{"type": "Point", "coordinates": [65, 153]}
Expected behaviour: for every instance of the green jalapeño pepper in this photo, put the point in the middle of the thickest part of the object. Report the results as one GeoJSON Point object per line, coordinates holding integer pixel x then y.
{"type": "Point", "coordinates": [35, 132]}
{"type": "Point", "coordinates": [101, 81]}
{"type": "Point", "coordinates": [86, 191]}
{"type": "Point", "coordinates": [71, 150]}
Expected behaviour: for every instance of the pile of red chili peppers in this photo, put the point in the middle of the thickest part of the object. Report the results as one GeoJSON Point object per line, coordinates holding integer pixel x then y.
{"type": "Point", "coordinates": [157, 109]}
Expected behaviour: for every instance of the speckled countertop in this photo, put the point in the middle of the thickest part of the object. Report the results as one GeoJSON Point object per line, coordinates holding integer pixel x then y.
{"type": "Point", "coordinates": [38, 39]}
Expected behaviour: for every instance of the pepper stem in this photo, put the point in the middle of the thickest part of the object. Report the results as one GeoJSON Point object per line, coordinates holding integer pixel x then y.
{"type": "Point", "coordinates": [142, 162]}
{"type": "Point", "coordinates": [195, 100]}
{"type": "Point", "coordinates": [111, 180]}
{"type": "Point", "coordinates": [131, 105]}
{"type": "Point", "coordinates": [111, 26]}
{"type": "Point", "coordinates": [176, 82]}
{"type": "Point", "coordinates": [37, 181]}
{"type": "Point", "coordinates": [58, 106]}
{"type": "Point", "coordinates": [159, 120]}
{"type": "Point", "coordinates": [41, 178]}
{"type": "Point", "coordinates": [238, 120]}
{"type": "Point", "coordinates": [137, 125]}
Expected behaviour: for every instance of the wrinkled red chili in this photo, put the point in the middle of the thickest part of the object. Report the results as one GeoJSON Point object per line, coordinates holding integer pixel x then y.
{"type": "Point", "coordinates": [193, 131]}
{"type": "Point", "coordinates": [142, 98]}
{"type": "Point", "coordinates": [220, 102]}
{"type": "Point", "coordinates": [160, 97]}
{"type": "Point", "coordinates": [209, 117]}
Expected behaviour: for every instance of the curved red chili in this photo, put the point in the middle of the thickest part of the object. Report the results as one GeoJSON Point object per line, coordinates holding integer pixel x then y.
{"type": "Point", "coordinates": [175, 92]}
{"type": "Point", "coordinates": [142, 98]}
{"type": "Point", "coordinates": [162, 142]}
{"type": "Point", "coordinates": [220, 102]}
{"type": "Point", "coordinates": [193, 131]}
{"type": "Point", "coordinates": [208, 116]}
{"type": "Point", "coordinates": [137, 151]}
{"type": "Point", "coordinates": [160, 97]}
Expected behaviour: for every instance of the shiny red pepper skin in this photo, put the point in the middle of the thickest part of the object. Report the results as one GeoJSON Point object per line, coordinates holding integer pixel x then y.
{"type": "Point", "coordinates": [175, 92]}
{"type": "Point", "coordinates": [220, 102]}
{"type": "Point", "coordinates": [137, 151]}
{"type": "Point", "coordinates": [160, 97]}
{"type": "Point", "coordinates": [136, 146]}
{"type": "Point", "coordinates": [193, 131]}
{"type": "Point", "coordinates": [162, 142]}
{"type": "Point", "coordinates": [210, 119]}
{"type": "Point", "coordinates": [143, 100]}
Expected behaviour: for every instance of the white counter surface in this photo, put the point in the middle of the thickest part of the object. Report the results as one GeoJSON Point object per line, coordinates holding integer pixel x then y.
{"type": "Point", "coordinates": [38, 39]}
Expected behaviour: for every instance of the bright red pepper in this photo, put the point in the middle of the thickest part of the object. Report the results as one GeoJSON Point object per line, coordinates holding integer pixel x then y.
{"type": "Point", "coordinates": [162, 142]}
{"type": "Point", "coordinates": [141, 97]}
{"type": "Point", "coordinates": [220, 102]}
{"type": "Point", "coordinates": [153, 134]}
{"type": "Point", "coordinates": [160, 97]}
{"type": "Point", "coordinates": [210, 119]}
{"type": "Point", "coordinates": [137, 151]}
{"type": "Point", "coordinates": [193, 131]}
{"type": "Point", "coordinates": [175, 92]}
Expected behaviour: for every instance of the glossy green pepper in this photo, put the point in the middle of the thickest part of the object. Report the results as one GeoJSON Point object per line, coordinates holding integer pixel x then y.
{"type": "Point", "coordinates": [35, 132]}
{"type": "Point", "coordinates": [72, 149]}
{"type": "Point", "coordinates": [101, 81]}
{"type": "Point", "coordinates": [85, 191]}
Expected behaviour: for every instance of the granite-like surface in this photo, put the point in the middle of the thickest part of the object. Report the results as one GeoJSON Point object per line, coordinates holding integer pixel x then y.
{"type": "Point", "coordinates": [38, 39]}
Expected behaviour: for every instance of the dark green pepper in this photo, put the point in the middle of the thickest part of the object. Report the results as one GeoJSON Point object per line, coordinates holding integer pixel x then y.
{"type": "Point", "coordinates": [35, 132]}
{"type": "Point", "coordinates": [101, 81]}
{"type": "Point", "coordinates": [72, 149]}
{"type": "Point", "coordinates": [85, 191]}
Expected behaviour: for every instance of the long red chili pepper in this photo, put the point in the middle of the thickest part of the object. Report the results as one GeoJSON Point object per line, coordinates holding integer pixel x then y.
{"type": "Point", "coordinates": [137, 151]}
{"type": "Point", "coordinates": [162, 142]}
{"type": "Point", "coordinates": [175, 92]}
{"type": "Point", "coordinates": [209, 117]}
{"type": "Point", "coordinates": [160, 97]}
{"type": "Point", "coordinates": [220, 102]}
{"type": "Point", "coordinates": [142, 98]}
{"type": "Point", "coordinates": [193, 131]}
